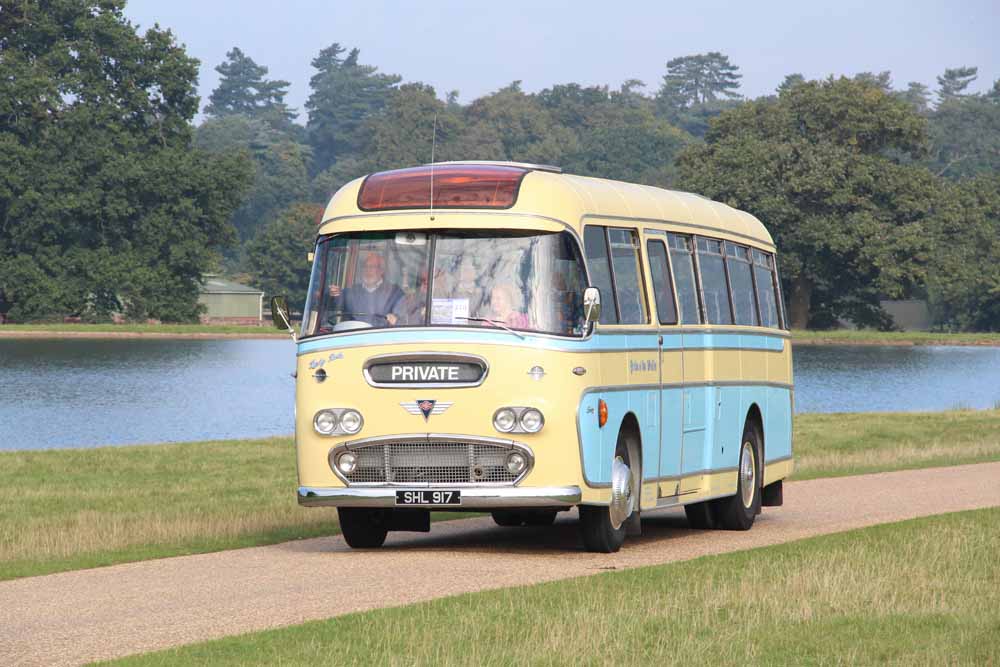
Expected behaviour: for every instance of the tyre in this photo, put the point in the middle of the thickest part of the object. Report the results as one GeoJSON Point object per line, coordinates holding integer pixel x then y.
{"type": "Point", "coordinates": [603, 528]}
{"type": "Point", "coordinates": [363, 528]}
{"type": "Point", "coordinates": [738, 512]}
{"type": "Point", "coordinates": [507, 519]}
{"type": "Point", "coordinates": [700, 516]}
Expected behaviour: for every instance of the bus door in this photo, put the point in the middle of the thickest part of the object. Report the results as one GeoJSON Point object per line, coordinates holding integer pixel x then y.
{"type": "Point", "coordinates": [693, 393]}
{"type": "Point", "coordinates": [671, 368]}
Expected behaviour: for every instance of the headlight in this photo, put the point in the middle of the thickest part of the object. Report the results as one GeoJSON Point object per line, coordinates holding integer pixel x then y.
{"type": "Point", "coordinates": [532, 420]}
{"type": "Point", "coordinates": [346, 462]}
{"type": "Point", "coordinates": [504, 420]}
{"type": "Point", "coordinates": [516, 463]}
{"type": "Point", "coordinates": [351, 421]}
{"type": "Point", "coordinates": [325, 422]}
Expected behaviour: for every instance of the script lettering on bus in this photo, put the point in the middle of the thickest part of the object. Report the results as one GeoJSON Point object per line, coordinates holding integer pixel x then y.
{"type": "Point", "coordinates": [642, 366]}
{"type": "Point", "coordinates": [425, 374]}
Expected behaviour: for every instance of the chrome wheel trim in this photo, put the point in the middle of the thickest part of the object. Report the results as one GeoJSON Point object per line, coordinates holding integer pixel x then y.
{"type": "Point", "coordinates": [622, 497]}
{"type": "Point", "coordinates": [748, 474]}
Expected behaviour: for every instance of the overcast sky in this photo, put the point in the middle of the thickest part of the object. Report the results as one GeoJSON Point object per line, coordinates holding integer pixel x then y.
{"type": "Point", "coordinates": [476, 48]}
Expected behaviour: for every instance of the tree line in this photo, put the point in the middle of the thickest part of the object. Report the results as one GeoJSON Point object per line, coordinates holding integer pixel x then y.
{"type": "Point", "coordinates": [114, 202]}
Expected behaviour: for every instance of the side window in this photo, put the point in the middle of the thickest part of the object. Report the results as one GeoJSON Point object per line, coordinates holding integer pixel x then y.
{"type": "Point", "coordinates": [663, 289]}
{"type": "Point", "coordinates": [763, 273]}
{"type": "Point", "coordinates": [628, 279]}
{"type": "Point", "coordinates": [714, 287]}
{"type": "Point", "coordinates": [741, 279]}
{"type": "Point", "coordinates": [687, 292]}
{"type": "Point", "coordinates": [599, 266]}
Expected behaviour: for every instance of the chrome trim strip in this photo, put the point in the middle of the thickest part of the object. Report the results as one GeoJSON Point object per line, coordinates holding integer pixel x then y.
{"type": "Point", "coordinates": [693, 473]}
{"type": "Point", "coordinates": [680, 385]}
{"type": "Point", "coordinates": [352, 445]}
{"type": "Point", "coordinates": [472, 498]}
{"type": "Point", "coordinates": [404, 357]}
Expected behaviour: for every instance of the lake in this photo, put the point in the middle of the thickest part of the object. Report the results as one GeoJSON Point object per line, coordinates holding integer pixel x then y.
{"type": "Point", "coordinates": [82, 393]}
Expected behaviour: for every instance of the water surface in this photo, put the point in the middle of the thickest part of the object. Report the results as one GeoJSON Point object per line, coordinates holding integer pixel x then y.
{"type": "Point", "coordinates": [86, 392]}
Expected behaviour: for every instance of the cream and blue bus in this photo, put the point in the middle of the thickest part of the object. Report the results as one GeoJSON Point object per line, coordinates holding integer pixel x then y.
{"type": "Point", "coordinates": [507, 338]}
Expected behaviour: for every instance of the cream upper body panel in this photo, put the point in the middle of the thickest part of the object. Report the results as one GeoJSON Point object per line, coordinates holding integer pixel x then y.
{"type": "Point", "coordinates": [569, 199]}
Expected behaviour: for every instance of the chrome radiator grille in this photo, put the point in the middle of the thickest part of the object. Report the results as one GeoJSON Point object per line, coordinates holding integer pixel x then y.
{"type": "Point", "coordinates": [430, 462]}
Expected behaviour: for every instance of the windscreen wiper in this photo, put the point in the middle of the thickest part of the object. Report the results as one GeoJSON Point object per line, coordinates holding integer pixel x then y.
{"type": "Point", "coordinates": [496, 323]}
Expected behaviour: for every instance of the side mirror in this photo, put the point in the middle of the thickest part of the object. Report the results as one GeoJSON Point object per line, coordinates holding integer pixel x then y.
{"type": "Point", "coordinates": [592, 304]}
{"type": "Point", "coordinates": [280, 316]}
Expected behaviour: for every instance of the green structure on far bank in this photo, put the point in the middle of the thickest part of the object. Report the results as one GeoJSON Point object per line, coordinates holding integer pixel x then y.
{"type": "Point", "coordinates": [227, 302]}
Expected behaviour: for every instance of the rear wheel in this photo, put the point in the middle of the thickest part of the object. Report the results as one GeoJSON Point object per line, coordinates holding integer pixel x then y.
{"type": "Point", "coordinates": [738, 512]}
{"type": "Point", "coordinates": [363, 528]}
{"type": "Point", "coordinates": [603, 528]}
{"type": "Point", "coordinates": [700, 516]}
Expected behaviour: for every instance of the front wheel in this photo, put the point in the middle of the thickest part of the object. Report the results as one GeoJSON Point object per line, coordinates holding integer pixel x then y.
{"type": "Point", "coordinates": [363, 528]}
{"type": "Point", "coordinates": [738, 512]}
{"type": "Point", "coordinates": [603, 528]}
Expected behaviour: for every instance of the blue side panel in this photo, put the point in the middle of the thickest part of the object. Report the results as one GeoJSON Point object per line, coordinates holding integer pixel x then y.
{"type": "Point", "coordinates": [646, 406]}
{"type": "Point", "coordinates": [670, 444]}
{"type": "Point", "coordinates": [778, 424]}
{"type": "Point", "coordinates": [728, 426]}
{"type": "Point", "coordinates": [696, 400]}
{"type": "Point", "coordinates": [590, 439]}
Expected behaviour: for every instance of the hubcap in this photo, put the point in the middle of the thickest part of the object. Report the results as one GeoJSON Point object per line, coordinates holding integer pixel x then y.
{"type": "Point", "coordinates": [621, 493]}
{"type": "Point", "coordinates": [748, 474]}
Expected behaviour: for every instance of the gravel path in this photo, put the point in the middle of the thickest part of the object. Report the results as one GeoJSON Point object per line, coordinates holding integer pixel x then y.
{"type": "Point", "coordinates": [102, 613]}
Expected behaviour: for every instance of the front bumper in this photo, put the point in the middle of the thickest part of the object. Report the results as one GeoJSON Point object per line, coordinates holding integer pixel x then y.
{"type": "Point", "coordinates": [486, 498]}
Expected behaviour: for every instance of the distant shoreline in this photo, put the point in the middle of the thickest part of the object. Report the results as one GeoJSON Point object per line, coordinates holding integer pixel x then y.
{"type": "Point", "coordinates": [209, 332]}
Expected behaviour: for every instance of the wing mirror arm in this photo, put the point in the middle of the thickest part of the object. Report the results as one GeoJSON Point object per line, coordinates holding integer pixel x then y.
{"type": "Point", "coordinates": [280, 315]}
{"type": "Point", "coordinates": [592, 305]}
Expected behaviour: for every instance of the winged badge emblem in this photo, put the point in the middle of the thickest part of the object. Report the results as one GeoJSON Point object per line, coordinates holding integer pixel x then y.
{"type": "Point", "coordinates": [426, 407]}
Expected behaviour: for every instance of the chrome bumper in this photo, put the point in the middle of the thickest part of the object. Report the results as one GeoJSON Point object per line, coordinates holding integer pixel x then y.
{"type": "Point", "coordinates": [472, 498]}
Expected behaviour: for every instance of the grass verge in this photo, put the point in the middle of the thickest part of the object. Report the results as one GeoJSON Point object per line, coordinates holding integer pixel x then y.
{"type": "Point", "coordinates": [905, 593]}
{"type": "Point", "coordinates": [76, 508]}
{"type": "Point", "coordinates": [872, 337]}
{"type": "Point", "coordinates": [855, 443]}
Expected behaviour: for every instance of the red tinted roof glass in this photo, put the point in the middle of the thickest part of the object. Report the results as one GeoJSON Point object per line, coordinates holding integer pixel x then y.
{"type": "Point", "coordinates": [455, 186]}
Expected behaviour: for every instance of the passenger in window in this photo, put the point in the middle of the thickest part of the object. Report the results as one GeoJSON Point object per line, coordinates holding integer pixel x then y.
{"type": "Point", "coordinates": [465, 285]}
{"type": "Point", "coordinates": [373, 300]}
{"type": "Point", "coordinates": [414, 304]}
{"type": "Point", "coordinates": [502, 308]}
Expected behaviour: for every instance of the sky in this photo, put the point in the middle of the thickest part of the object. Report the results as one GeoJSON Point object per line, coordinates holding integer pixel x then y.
{"type": "Point", "coordinates": [476, 48]}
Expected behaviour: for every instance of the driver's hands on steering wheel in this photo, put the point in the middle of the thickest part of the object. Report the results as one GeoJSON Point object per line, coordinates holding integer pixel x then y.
{"type": "Point", "coordinates": [334, 290]}
{"type": "Point", "coordinates": [391, 319]}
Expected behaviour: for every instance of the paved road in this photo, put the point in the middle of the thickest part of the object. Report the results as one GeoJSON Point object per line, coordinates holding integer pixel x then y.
{"type": "Point", "coordinates": [75, 617]}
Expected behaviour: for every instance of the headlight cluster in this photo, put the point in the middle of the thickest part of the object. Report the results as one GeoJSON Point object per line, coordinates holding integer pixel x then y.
{"type": "Point", "coordinates": [338, 421]}
{"type": "Point", "coordinates": [518, 420]}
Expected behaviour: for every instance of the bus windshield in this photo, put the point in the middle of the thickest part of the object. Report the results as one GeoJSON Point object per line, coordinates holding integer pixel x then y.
{"type": "Point", "coordinates": [511, 280]}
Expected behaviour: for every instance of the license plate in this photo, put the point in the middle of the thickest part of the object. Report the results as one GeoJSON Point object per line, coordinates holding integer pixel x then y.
{"type": "Point", "coordinates": [428, 497]}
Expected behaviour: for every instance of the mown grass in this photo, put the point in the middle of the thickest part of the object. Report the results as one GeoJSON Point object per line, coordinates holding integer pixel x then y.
{"type": "Point", "coordinates": [872, 337]}
{"type": "Point", "coordinates": [157, 329]}
{"type": "Point", "coordinates": [76, 508]}
{"type": "Point", "coordinates": [917, 592]}
{"type": "Point", "coordinates": [831, 445]}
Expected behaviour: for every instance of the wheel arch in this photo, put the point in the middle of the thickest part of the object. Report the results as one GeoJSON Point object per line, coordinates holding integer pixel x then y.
{"type": "Point", "coordinates": [756, 417]}
{"type": "Point", "coordinates": [630, 427]}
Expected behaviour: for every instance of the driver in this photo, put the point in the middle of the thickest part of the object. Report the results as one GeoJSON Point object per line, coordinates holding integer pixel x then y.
{"type": "Point", "coordinates": [372, 300]}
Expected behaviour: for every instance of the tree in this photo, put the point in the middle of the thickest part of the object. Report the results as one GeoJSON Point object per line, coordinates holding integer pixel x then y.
{"type": "Point", "coordinates": [243, 90]}
{"type": "Point", "coordinates": [964, 288]}
{"type": "Point", "coordinates": [402, 135]}
{"type": "Point", "coordinates": [345, 95]}
{"type": "Point", "coordinates": [790, 81]}
{"type": "Point", "coordinates": [104, 204]}
{"type": "Point", "coordinates": [511, 125]}
{"type": "Point", "coordinates": [953, 82]}
{"type": "Point", "coordinates": [280, 166]}
{"type": "Point", "coordinates": [918, 96]}
{"type": "Point", "coordinates": [277, 256]}
{"type": "Point", "coordinates": [696, 88]}
{"type": "Point", "coordinates": [850, 223]}
{"type": "Point", "coordinates": [965, 132]}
